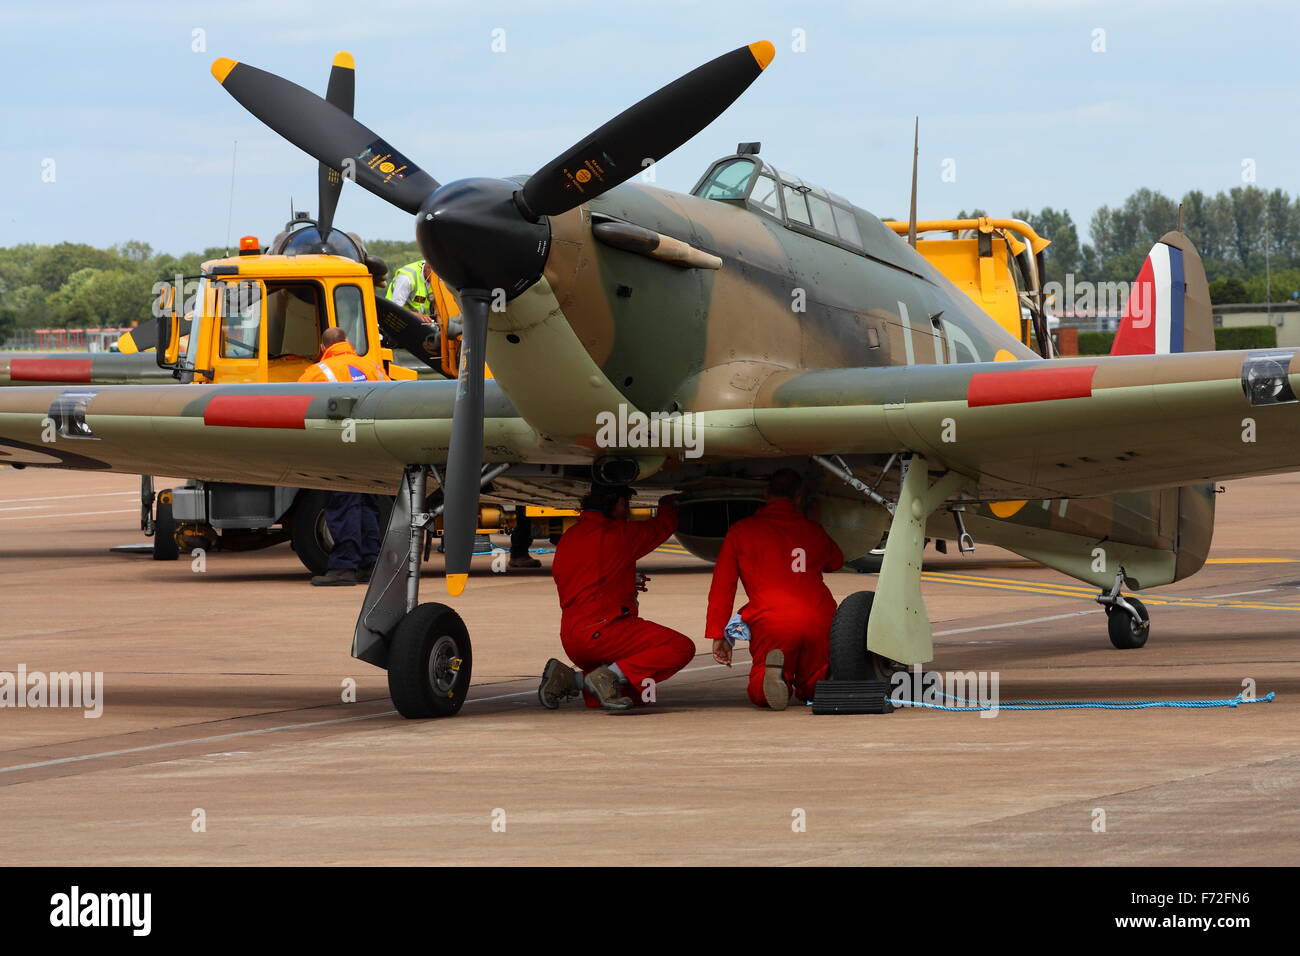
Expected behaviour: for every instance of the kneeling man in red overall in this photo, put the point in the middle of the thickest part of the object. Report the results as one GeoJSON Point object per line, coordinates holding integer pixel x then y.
{"type": "Point", "coordinates": [601, 629]}
{"type": "Point", "coordinates": [779, 555]}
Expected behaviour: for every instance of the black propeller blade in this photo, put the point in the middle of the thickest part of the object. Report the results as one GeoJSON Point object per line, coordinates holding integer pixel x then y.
{"type": "Point", "coordinates": [650, 130]}
{"type": "Point", "coordinates": [327, 133]}
{"type": "Point", "coordinates": [341, 93]}
{"type": "Point", "coordinates": [488, 236]}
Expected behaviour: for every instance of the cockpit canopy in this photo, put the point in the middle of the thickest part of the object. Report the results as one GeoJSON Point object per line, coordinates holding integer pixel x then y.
{"type": "Point", "coordinates": [747, 180]}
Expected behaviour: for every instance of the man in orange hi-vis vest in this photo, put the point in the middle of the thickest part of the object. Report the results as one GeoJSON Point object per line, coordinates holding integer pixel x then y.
{"type": "Point", "coordinates": [352, 518]}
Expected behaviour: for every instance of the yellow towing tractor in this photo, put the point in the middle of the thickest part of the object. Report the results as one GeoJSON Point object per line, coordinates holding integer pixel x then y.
{"type": "Point", "coordinates": [998, 263]}
{"type": "Point", "coordinates": [258, 317]}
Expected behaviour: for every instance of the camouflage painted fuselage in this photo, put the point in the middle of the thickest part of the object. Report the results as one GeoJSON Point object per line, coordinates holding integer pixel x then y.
{"type": "Point", "coordinates": [741, 344]}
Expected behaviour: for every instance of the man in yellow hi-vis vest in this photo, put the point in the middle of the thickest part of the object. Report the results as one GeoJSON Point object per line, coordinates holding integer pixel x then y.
{"type": "Point", "coordinates": [412, 288]}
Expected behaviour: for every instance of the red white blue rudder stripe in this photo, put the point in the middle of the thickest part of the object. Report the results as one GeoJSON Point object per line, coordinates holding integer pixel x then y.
{"type": "Point", "coordinates": [1154, 320]}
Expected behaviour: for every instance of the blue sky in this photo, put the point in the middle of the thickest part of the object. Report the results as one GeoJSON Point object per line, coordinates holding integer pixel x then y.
{"type": "Point", "coordinates": [1010, 91]}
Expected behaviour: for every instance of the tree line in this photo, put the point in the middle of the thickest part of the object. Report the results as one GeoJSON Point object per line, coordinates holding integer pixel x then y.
{"type": "Point", "coordinates": [1248, 238]}
{"type": "Point", "coordinates": [1242, 234]}
{"type": "Point", "coordinates": [74, 285]}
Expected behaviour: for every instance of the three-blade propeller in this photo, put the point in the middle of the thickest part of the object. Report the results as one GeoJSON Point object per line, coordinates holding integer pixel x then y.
{"type": "Point", "coordinates": [488, 238]}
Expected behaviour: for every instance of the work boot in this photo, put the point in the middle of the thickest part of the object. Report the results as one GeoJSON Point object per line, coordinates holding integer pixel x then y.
{"type": "Point", "coordinates": [775, 691]}
{"type": "Point", "coordinates": [559, 682]}
{"type": "Point", "coordinates": [525, 561]}
{"type": "Point", "coordinates": [603, 683]}
{"type": "Point", "coordinates": [337, 578]}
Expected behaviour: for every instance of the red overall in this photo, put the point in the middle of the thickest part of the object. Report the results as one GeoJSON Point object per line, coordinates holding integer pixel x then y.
{"type": "Point", "coordinates": [595, 574]}
{"type": "Point", "coordinates": [779, 555]}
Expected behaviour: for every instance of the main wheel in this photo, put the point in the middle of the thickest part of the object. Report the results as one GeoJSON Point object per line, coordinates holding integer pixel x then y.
{"type": "Point", "coordinates": [850, 659]}
{"type": "Point", "coordinates": [164, 529]}
{"type": "Point", "coordinates": [429, 662]}
{"type": "Point", "coordinates": [1126, 633]}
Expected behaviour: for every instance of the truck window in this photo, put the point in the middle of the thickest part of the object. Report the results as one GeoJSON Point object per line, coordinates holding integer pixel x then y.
{"type": "Point", "coordinates": [350, 316]}
{"type": "Point", "coordinates": [241, 319]}
{"type": "Point", "coordinates": [194, 311]}
{"type": "Point", "coordinates": [294, 319]}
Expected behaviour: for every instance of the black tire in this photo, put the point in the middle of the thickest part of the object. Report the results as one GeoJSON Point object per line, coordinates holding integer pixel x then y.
{"type": "Point", "coordinates": [310, 535]}
{"type": "Point", "coordinates": [422, 678]}
{"type": "Point", "coordinates": [850, 659]}
{"type": "Point", "coordinates": [1126, 633]}
{"type": "Point", "coordinates": [307, 530]}
{"type": "Point", "coordinates": [849, 638]}
{"type": "Point", "coordinates": [164, 529]}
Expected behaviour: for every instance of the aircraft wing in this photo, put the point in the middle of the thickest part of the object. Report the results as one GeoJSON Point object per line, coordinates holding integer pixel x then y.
{"type": "Point", "coordinates": [340, 436]}
{"type": "Point", "coordinates": [1078, 427]}
{"type": "Point", "coordinates": [1075, 427]}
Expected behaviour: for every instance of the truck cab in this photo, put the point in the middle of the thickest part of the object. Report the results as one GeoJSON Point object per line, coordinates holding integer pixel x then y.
{"type": "Point", "coordinates": [259, 318]}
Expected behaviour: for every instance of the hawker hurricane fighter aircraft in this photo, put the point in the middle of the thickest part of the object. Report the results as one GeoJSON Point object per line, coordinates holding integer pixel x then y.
{"type": "Point", "coordinates": [759, 322]}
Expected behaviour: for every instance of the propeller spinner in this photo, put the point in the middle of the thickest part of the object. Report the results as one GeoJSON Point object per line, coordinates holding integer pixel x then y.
{"type": "Point", "coordinates": [483, 235]}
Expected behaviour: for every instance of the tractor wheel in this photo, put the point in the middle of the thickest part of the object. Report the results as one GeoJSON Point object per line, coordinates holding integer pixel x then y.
{"type": "Point", "coordinates": [308, 532]}
{"type": "Point", "coordinates": [164, 529]}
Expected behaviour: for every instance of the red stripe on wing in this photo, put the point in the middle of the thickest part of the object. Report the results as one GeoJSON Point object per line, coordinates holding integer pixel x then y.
{"type": "Point", "coordinates": [49, 370]}
{"type": "Point", "coordinates": [1034, 385]}
{"type": "Point", "coordinates": [258, 411]}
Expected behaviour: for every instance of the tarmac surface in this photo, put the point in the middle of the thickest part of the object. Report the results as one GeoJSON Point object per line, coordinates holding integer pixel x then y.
{"type": "Point", "coordinates": [225, 739]}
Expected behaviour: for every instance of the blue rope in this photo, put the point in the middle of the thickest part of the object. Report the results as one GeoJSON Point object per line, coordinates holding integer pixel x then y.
{"type": "Point", "coordinates": [507, 551]}
{"type": "Point", "coordinates": [1090, 704]}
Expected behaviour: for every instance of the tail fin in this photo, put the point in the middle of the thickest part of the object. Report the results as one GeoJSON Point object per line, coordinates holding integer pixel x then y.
{"type": "Point", "coordinates": [1169, 310]}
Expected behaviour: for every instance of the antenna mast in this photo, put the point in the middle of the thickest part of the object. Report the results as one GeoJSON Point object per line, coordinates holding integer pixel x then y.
{"type": "Point", "coordinates": [230, 210]}
{"type": "Point", "coordinates": [911, 215]}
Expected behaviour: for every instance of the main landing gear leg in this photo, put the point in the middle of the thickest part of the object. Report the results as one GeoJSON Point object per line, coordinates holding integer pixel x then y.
{"type": "Point", "coordinates": [424, 647]}
{"type": "Point", "coordinates": [875, 634]}
{"type": "Point", "coordinates": [899, 629]}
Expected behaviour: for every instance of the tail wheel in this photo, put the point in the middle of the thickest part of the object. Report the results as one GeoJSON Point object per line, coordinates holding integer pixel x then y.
{"type": "Point", "coordinates": [164, 529]}
{"type": "Point", "coordinates": [429, 663]}
{"type": "Point", "coordinates": [850, 659]}
{"type": "Point", "coordinates": [1126, 633]}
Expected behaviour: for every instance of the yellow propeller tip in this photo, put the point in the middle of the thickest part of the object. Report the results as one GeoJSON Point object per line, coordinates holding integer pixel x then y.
{"type": "Point", "coordinates": [763, 52]}
{"type": "Point", "coordinates": [344, 59]}
{"type": "Point", "coordinates": [221, 68]}
{"type": "Point", "coordinates": [456, 584]}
